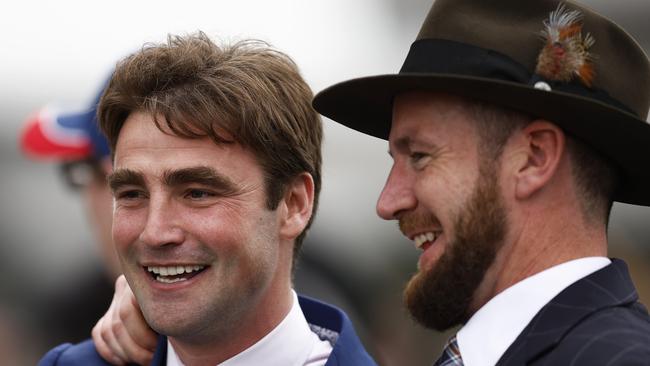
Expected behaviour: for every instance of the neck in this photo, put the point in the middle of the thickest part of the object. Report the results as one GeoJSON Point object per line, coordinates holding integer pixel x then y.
{"type": "Point", "coordinates": [540, 237]}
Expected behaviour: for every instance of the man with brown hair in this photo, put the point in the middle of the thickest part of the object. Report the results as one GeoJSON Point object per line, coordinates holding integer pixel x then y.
{"type": "Point", "coordinates": [217, 156]}
{"type": "Point", "coordinates": [513, 126]}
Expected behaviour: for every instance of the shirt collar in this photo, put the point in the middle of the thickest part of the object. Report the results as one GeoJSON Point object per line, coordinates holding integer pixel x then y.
{"type": "Point", "coordinates": [495, 326]}
{"type": "Point", "coordinates": [272, 350]}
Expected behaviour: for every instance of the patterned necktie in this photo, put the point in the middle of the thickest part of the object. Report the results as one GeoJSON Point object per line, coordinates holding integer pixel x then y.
{"type": "Point", "coordinates": [450, 355]}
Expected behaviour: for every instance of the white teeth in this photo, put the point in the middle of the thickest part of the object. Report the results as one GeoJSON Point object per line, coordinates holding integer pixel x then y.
{"type": "Point", "coordinates": [173, 270]}
{"type": "Point", "coordinates": [420, 239]}
{"type": "Point", "coordinates": [170, 280]}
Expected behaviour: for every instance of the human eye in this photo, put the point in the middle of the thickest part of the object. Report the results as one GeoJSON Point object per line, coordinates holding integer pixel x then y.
{"type": "Point", "coordinates": [129, 196]}
{"type": "Point", "coordinates": [418, 159]}
{"type": "Point", "coordinates": [197, 194]}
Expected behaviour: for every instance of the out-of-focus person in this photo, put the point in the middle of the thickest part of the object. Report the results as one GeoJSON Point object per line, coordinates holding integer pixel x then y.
{"type": "Point", "coordinates": [70, 138]}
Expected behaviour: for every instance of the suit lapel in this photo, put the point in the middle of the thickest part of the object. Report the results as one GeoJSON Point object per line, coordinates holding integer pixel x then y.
{"type": "Point", "coordinates": [607, 287]}
{"type": "Point", "coordinates": [160, 356]}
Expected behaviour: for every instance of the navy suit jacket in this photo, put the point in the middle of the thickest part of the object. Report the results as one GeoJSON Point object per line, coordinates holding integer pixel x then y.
{"type": "Point", "coordinates": [325, 320]}
{"type": "Point", "coordinates": [595, 321]}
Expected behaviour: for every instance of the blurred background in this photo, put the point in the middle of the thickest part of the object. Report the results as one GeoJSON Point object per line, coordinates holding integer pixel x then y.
{"type": "Point", "coordinates": [63, 51]}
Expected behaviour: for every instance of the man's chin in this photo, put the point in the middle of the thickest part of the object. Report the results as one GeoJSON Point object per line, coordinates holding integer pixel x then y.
{"type": "Point", "coordinates": [169, 319]}
{"type": "Point", "coordinates": [177, 328]}
{"type": "Point", "coordinates": [431, 305]}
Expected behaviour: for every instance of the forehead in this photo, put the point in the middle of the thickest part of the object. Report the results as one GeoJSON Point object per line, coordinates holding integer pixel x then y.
{"type": "Point", "coordinates": [433, 117]}
{"type": "Point", "coordinates": [141, 144]}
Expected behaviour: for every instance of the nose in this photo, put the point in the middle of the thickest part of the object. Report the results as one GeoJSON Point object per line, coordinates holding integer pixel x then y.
{"type": "Point", "coordinates": [163, 226]}
{"type": "Point", "coordinates": [397, 195]}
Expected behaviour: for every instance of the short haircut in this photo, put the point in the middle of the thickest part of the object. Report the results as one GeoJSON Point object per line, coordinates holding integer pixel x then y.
{"type": "Point", "coordinates": [246, 93]}
{"type": "Point", "coordinates": [594, 176]}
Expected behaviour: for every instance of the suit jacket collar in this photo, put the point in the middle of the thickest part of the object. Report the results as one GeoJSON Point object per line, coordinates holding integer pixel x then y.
{"type": "Point", "coordinates": [331, 323]}
{"type": "Point", "coordinates": [326, 320]}
{"type": "Point", "coordinates": [160, 355]}
{"type": "Point", "coordinates": [608, 287]}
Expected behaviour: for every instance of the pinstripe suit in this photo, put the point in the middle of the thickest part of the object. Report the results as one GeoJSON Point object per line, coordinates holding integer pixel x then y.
{"type": "Point", "coordinates": [596, 321]}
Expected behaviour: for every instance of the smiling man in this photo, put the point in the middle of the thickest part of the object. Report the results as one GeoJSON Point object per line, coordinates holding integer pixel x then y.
{"type": "Point", "coordinates": [445, 193]}
{"type": "Point", "coordinates": [216, 177]}
{"type": "Point", "coordinates": [198, 244]}
{"type": "Point", "coordinates": [513, 126]}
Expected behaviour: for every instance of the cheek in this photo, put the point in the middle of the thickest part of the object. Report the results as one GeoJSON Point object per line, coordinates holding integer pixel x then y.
{"type": "Point", "coordinates": [235, 221]}
{"type": "Point", "coordinates": [254, 238]}
{"type": "Point", "coordinates": [442, 194]}
{"type": "Point", "coordinates": [127, 227]}
{"type": "Point", "coordinates": [224, 232]}
{"type": "Point", "coordinates": [431, 189]}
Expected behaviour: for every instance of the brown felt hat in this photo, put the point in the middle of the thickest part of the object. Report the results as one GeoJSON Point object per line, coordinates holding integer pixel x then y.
{"type": "Point", "coordinates": [490, 50]}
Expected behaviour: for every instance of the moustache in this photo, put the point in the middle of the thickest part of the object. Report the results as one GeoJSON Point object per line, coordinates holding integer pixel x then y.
{"type": "Point", "coordinates": [413, 221]}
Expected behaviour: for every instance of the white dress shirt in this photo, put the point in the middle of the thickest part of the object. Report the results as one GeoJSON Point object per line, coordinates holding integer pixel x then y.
{"type": "Point", "coordinates": [291, 343]}
{"type": "Point", "coordinates": [495, 326]}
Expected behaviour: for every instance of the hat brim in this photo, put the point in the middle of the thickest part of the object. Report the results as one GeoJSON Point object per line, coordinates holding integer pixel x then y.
{"type": "Point", "coordinates": [365, 104]}
{"type": "Point", "coordinates": [56, 135]}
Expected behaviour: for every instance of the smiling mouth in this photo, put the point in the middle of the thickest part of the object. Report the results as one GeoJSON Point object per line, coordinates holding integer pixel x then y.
{"type": "Point", "coordinates": [173, 274]}
{"type": "Point", "coordinates": [426, 239]}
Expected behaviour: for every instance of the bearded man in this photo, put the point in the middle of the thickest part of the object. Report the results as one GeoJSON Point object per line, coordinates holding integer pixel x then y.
{"type": "Point", "coordinates": [513, 126]}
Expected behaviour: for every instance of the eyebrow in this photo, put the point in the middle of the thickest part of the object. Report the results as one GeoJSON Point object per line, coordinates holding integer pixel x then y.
{"type": "Point", "coordinates": [407, 144]}
{"type": "Point", "coordinates": [201, 175]}
{"type": "Point", "coordinates": [125, 177]}
{"type": "Point", "coordinates": [402, 144]}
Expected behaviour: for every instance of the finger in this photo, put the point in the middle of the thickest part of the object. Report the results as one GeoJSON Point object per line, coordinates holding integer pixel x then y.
{"type": "Point", "coordinates": [134, 352]}
{"type": "Point", "coordinates": [136, 325]}
{"type": "Point", "coordinates": [101, 343]}
{"type": "Point", "coordinates": [120, 285]}
{"type": "Point", "coordinates": [109, 330]}
{"type": "Point", "coordinates": [130, 328]}
{"type": "Point", "coordinates": [111, 350]}
{"type": "Point", "coordinates": [101, 346]}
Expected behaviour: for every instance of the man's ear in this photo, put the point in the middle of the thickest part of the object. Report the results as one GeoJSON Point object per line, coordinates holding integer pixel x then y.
{"type": "Point", "coordinates": [542, 144]}
{"type": "Point", "coordinates": [298, 204]}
